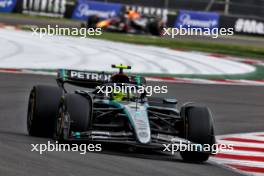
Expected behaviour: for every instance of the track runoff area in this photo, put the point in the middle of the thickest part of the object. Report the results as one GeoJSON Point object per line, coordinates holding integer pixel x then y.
{"type": "Point", "coordinates": [21, 51]}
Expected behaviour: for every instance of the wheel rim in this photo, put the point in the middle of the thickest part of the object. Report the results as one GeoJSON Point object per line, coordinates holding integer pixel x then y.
{"type": "Point", "coordinates": [59, 123]}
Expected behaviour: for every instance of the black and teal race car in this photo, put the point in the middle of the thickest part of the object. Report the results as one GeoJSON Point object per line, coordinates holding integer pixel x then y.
{"type": "Point", "coordinates": [87, 114]}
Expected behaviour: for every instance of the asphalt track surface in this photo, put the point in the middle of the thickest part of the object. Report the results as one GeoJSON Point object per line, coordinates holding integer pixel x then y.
{"type": "Point", "coordinates": [236, 108]}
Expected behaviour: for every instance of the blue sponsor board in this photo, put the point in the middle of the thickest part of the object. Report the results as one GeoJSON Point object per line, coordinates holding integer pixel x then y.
{"type": "Point", "coordinates": [194, 19]}
{"type": "Point", "coordinates": [7, 6]}
{"type": "Point", "coordinates": [86, 8]}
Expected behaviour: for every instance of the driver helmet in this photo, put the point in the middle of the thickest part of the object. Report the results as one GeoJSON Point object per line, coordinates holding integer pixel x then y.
{"type": "Point", "coordinates": [119, 96]}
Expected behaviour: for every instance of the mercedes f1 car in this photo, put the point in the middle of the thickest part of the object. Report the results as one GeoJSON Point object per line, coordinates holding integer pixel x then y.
{"type": "Point", "coordinates": [134, 119]}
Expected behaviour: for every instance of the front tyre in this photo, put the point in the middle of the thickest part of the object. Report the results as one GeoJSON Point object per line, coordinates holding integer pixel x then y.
{"type": "Point", "coordinates": [199, 129]}
{"type": "Point", "coordinates": [74, 116]}
{"type": "Point", "coordinates": [42, 110]}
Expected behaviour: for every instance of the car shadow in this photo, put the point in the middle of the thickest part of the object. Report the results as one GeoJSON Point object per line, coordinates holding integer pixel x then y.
{"type": "Point", "coordinates": [115, 149]}
{"type": "Point", "coordinates": [143, 153]}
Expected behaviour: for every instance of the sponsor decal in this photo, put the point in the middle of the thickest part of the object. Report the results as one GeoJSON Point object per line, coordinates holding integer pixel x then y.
{"type": "Point", "coordinates": [84, 9]}
{"type": "Point", "coordinates": [193, 19]}
{"type": "Point", "coordinates": [89, 76]}
{"type": "Point", "coordinates": [143, 134]}
{"type": "Point", "coordinates": [249, 26]}
{"type": "Point", "coordinates": [53, 8]}
{"type": "Point", "coordinates": [100, 133]}
{"type": "Point", "coordinates": [139, 120]}
{"type": "Point", "coordinates": [7, 5]}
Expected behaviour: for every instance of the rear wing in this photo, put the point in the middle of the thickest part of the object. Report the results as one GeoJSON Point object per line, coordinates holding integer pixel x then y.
{"type": "Point", "coordinates": [83, 78]}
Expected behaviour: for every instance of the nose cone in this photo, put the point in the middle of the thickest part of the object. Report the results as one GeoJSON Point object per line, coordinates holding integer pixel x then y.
{"type": "Point", "coordinates": [139, 119]}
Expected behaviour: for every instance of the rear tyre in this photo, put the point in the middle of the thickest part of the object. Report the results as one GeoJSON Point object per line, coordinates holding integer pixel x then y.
{"type": "Point", "coordinates": [42, 110]}
{"type": "Point", "coordinates": [74, 116]}
{"type": "Point", "coordinates": [198, 129]}
{"type": "Point", "coordinates": [154, 28]}
{"type": "Point", "coordinates": [92, 21]}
